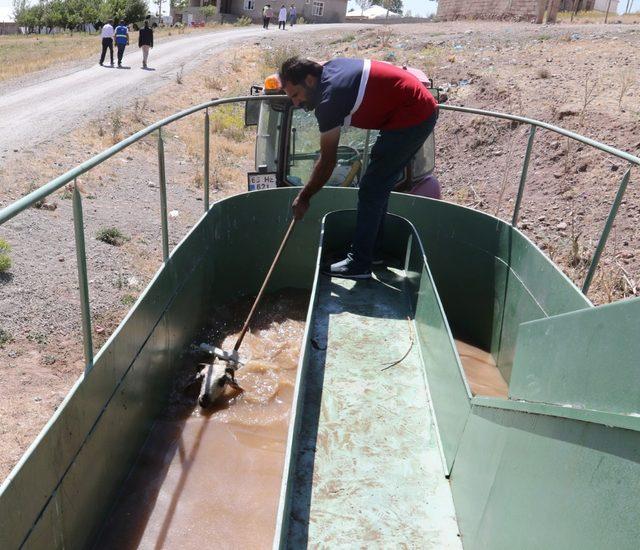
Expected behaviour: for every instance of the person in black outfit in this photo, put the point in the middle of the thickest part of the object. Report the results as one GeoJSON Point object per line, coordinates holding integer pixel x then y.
{"type": "Point", "coordinates": [145, 41]}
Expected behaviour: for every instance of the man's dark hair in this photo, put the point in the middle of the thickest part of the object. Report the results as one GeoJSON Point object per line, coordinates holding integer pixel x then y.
{"type": "Point", "coordinates": [296, 69]}
{"type": "Point", "coordinates": [110, 22]}
{"type": "Point", "coordinates": [122, 21]}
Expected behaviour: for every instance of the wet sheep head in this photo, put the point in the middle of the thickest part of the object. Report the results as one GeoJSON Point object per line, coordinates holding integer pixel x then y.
{"type": "Point", "coordinates": [215, 378]}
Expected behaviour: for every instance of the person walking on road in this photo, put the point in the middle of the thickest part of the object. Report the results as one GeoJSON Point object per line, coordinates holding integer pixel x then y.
{"type": "Point", "coordinates": [107, 34]}
{"type": "Point", "coordinates": [122, 39]}
{"type": "Point", "coordinates": [282, 18]}
{"type": "Point", "coordinates": [365, 94]}
{"type": "Point", "coordinates": [145, 41]}
{"type": "Point", "coordinates": [267, 14]}
{"type": "Point", "coordinates": [293, 15]}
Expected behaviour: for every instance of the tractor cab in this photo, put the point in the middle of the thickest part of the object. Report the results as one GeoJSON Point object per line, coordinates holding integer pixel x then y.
{"type": "Point", "coordinates": [288, 146]}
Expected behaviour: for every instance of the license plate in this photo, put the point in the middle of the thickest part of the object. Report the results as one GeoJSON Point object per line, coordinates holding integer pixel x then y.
{"type": "Point", "coordinates": [262, 181]}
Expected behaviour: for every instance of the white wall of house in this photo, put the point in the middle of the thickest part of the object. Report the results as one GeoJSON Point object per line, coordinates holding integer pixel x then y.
{"type": "Point", "coordinates": [601, 5]}
{"type": "Point", "coordinates": [313, 11]}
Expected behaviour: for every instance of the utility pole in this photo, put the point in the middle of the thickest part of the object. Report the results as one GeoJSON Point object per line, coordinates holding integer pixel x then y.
{"type": "Point", "coordinates": [552, 11]}
{"type": "Point", "coordinates": [574, 9]}
{"type": "Point", "coordinates": [542, 6]}
{"type": "Point", "coordinates": [607, 14]}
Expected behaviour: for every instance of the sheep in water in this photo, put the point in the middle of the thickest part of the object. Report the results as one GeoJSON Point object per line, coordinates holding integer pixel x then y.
{"type": "Point", "coordinates": [215, 377]}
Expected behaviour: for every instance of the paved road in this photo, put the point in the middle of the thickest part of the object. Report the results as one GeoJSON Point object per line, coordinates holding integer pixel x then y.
{"type": "Point", "coordinates": [35, 113]}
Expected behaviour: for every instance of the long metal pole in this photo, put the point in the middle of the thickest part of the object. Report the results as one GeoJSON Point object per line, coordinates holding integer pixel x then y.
{"type": "Point", "coordinates": [523, 176]}
{"type": "Point", "coordinates": [606, 231]}
{"type": "Point", "coordinates": [163, 198]}
{"type": "Point", "coordinates": [206, 160]}
{"type": "Point", "coordinates": [81, 260]}
{"type": "Point", "coordinates": [264, 286]}
{"type": "Point", "coordinates": [28, 200]}
{"type": "Point", "coordinates": [607, 14]}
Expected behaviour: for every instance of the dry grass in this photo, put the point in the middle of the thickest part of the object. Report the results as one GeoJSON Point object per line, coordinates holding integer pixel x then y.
{"type": "Point", "coordinates": [21, 55]}
{"type": "Point", "coordinates": [598, 17]}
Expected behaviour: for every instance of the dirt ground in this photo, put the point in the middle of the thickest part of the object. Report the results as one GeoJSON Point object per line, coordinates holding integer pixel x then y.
{"type": "Point", "coordinates": [582, 77]}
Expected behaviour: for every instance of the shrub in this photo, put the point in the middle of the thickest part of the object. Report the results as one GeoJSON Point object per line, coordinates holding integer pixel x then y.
{"type": "Point", "coordinates": [228, 120]}
{"type": "Point", "coordinates": [112, 236]}
{"type": "Point", "coordinates": [275, 57]}
{"type": "Point", "coordinates": [128, 300]}
{"type": "Point", "coordinates": [5, 260]}
{"type": "Point", "coordinates": [208, 11]}
{"type": "Point", "coordinates": [243, 21]}
{"type": "Point", "coordinates": [5, 338]}
{"type": "Point", "coordinates": [116, 124]}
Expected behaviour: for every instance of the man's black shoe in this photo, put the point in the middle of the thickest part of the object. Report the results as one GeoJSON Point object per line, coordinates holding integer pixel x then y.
{"type": "Point", "coordinates": [347, 269]}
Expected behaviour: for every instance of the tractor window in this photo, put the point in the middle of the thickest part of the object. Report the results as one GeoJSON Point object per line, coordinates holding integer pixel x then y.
{"type": "Point", "coordinates": [304, 148]}
{"type": "Point", "coordinates": [424, 161]}
{"type": "Point", "coordinates": [269, 126]}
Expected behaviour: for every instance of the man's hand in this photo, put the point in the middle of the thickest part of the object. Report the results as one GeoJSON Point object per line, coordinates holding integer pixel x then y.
{"type": "Point", "coordinates": [321, 172]}
{"type": "Point", "coordinates": [300, 206]}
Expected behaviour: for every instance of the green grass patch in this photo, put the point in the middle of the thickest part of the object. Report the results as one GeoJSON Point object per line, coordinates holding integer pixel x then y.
{"type": "Point", "coordinates": [38, 337]}
{"type": "Point", "coordinates": [5, 260]}
{"type": "Point", "coordinates": [5, 338]}
{"type": "Point", "coordinates": [112, 236]}
{"type": "Point", "coordinates": [228, 120]}
{"type": "Point", "coordinates": [128, 300]}
{"type": "Point", "coordinates": [243, 22]}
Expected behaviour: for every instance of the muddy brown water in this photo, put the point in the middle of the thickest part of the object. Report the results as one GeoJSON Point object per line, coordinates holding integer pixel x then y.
{"type": "Point", "coordinates": [481, 372]}
{"type": "Point", "coordinates": [212, 478]}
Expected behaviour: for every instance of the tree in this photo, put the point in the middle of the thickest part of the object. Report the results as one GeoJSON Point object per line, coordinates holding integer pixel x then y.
{"type": "Point", "coordinates": [208, 11]}
{"type": "Point", "coordinates": [20, 8]}
{"type": "Point", "coordinates": [390, 5]}
{"type": "Point", "coordinates": [364, 5]}
{"type": "Point", "coordinates": [27, 16]}
{"type": "Point", "coordinates": [136, 10]}
{"type": "Point", "coordinates": [129, 10]}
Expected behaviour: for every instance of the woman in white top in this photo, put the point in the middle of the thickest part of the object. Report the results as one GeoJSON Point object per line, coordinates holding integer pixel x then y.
{"type": "Point", "coordinates": [282, 18]}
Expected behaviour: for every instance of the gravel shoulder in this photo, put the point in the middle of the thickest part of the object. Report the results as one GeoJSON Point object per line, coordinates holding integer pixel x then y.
{"type": "Point", "coordinates": [33, 113]}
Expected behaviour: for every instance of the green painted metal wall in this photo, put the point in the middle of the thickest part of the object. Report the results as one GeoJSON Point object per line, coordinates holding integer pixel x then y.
{"type": "Point", "coordinates": [523, 475]}
{"type": "Point", "coordinates": [489, 276]}
{"type": "Point", "coordinates": [66, 483]}
{"type": "Point", "coordinates": [60, 492]}
{"type": "Point", "coordinates": [588, 359]}
{"type": "Point", "coordinates": [524, 480]}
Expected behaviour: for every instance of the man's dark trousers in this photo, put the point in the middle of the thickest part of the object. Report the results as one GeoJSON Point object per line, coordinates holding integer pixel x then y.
{"type": "Point", "coordinates": [107, 44]}
{"type": "Point", "coordinates": [121, 48]}
{"type": "Point", "coordinates": [391, 152]}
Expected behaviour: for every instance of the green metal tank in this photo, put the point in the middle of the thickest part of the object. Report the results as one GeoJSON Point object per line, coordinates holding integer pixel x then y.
{"type": "Point", "coordinates": [380, 453]}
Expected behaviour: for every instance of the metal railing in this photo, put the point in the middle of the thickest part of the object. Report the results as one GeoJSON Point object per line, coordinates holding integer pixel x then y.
{"type": "Point", "coordinates": [631, 159]}
{"type": "Point", "coordinates": [39, 194]}
{"type": "Point", "coordinates": [42, 192]}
